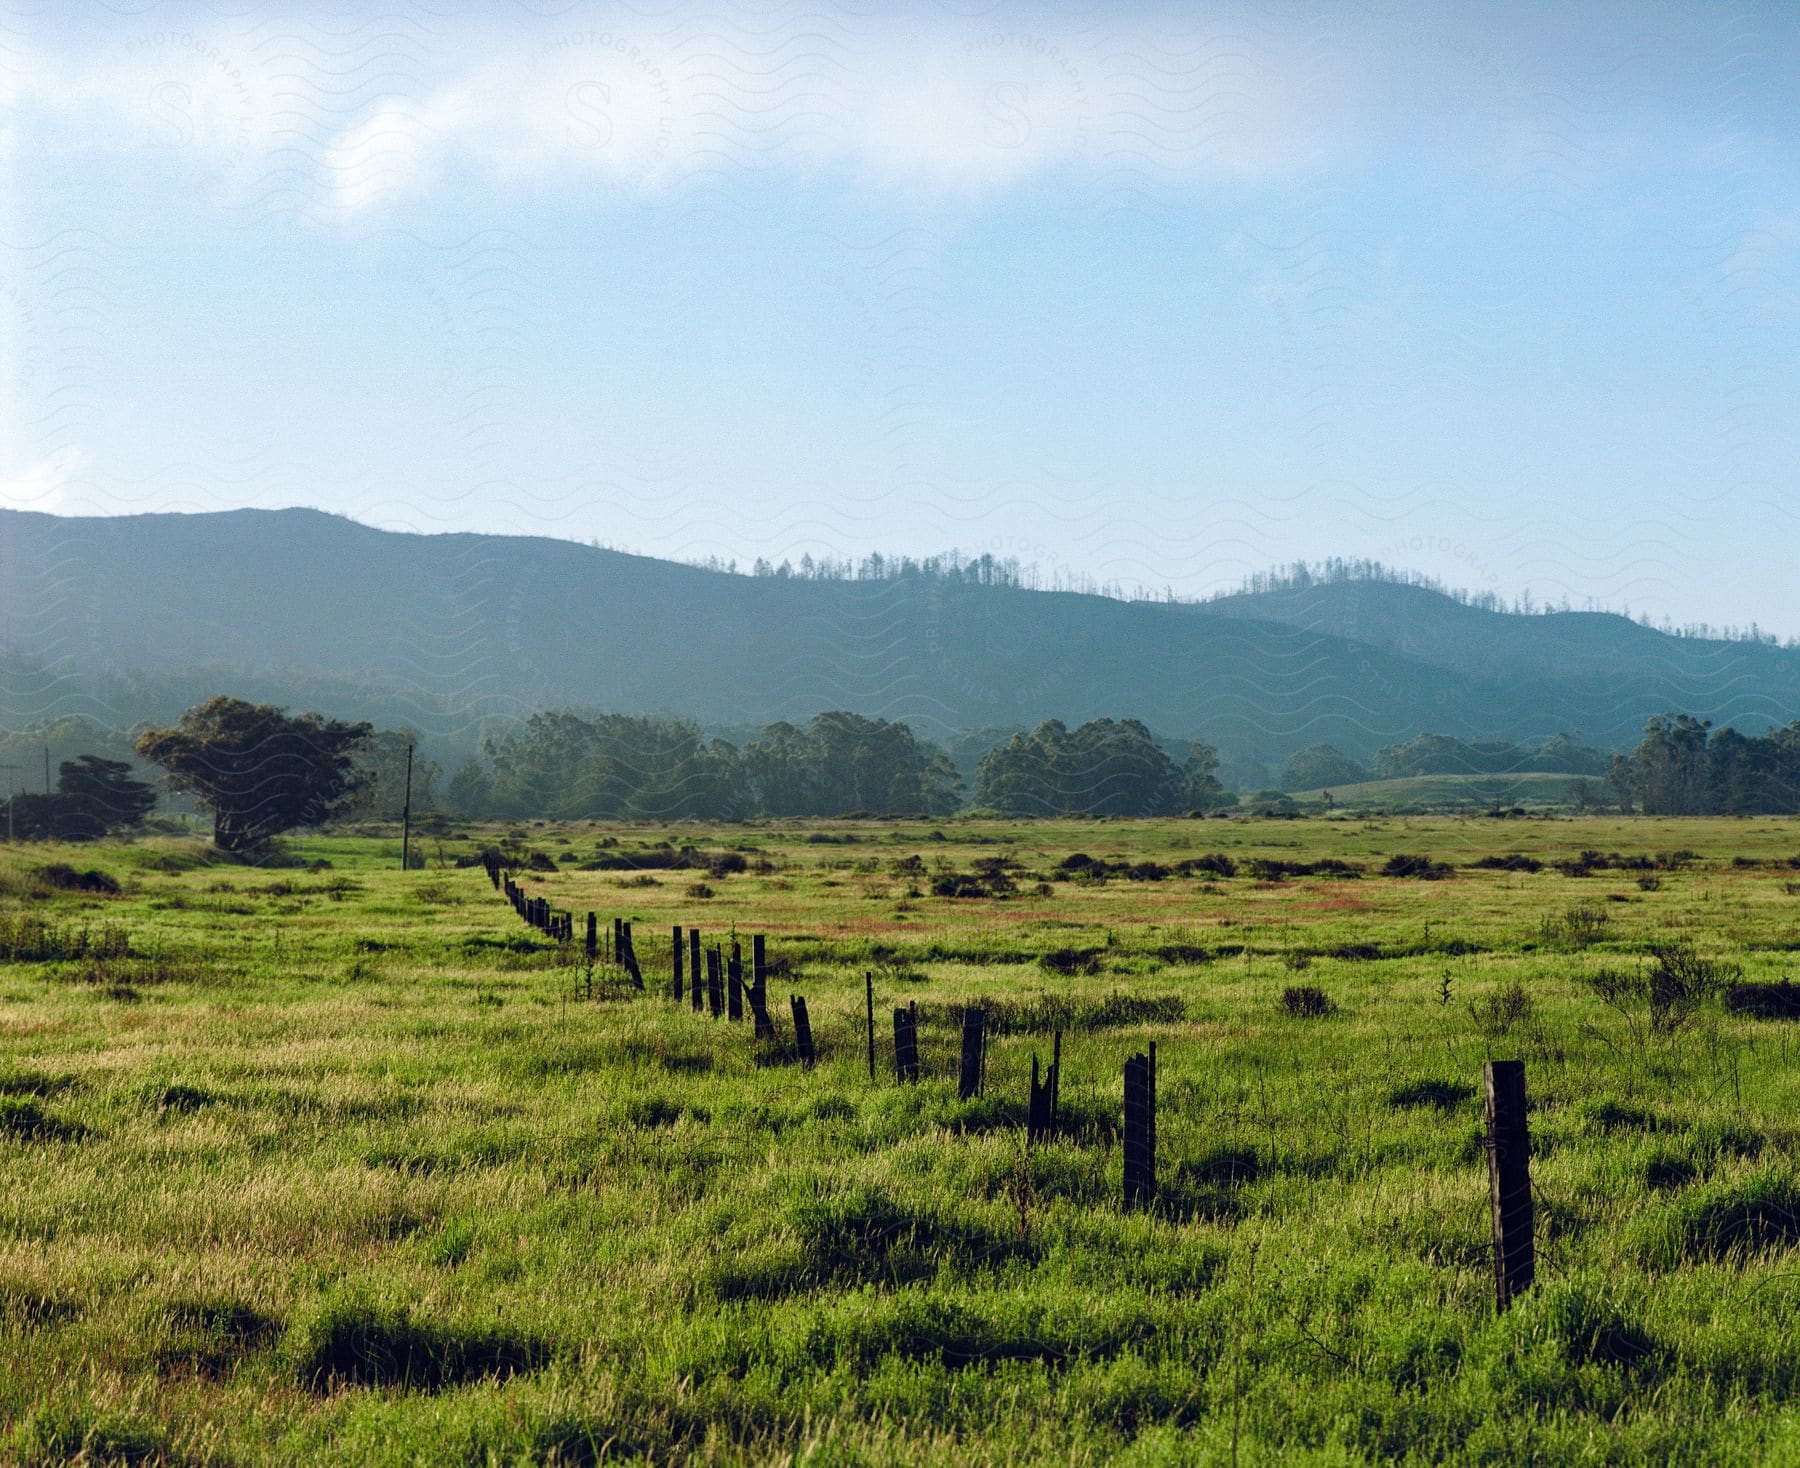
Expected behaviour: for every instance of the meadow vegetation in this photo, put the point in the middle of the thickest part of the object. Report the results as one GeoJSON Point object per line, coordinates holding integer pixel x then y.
{"type": "Point", "coordinates": [328, 1160]}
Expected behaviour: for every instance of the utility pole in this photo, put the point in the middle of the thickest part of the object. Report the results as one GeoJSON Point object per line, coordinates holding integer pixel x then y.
{"type": "Point", "coordinates": [406, 814]}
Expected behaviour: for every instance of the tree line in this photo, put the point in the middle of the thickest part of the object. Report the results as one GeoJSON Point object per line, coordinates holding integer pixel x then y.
{"type": "Point", "coordinates": [565, 765]}
{"type": "Point", "coordinates": [1324, 765]}
{"type": "Point", "coordinates": [1684, 767]}
{"type": "Point", "coordinates": [260, 771]}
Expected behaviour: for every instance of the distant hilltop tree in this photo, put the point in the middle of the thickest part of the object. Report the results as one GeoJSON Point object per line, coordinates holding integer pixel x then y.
{"type": "Point", "coordinates": [92, 797]}
{"type": "Point", "coordinates": [1321, 765]}
{"type": "Point", "coordinates": [259, 770]}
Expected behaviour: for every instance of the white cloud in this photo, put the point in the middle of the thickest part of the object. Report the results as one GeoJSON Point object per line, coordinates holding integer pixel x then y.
{"type": "Point", "coordinates": [345, 121]}
{"type": "Point", "coordinates": [42, 485]}
{"type": "Point", "coordinates": [356, 120]}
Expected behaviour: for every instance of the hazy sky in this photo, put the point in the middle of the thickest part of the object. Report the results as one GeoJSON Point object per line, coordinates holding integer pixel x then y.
{"type": "Point", "coordinates": [1506, 293]}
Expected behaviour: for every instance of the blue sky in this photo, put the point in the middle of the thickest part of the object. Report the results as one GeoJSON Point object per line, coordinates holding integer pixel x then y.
{"type": "Point", "coordinates": [1155, 297]}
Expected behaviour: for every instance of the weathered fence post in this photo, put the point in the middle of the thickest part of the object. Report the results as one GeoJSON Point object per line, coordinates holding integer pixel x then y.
{"type": "Point", "coordinates": [758, 992]}
{"type": "Point", "coordinates": [734, 987]}
{"type": "Point", "coordinates": [906, 1043]}
{"type": "Point", "coordinates": [1140, 1130]}
{"type": "Point", "coordinates": [631, 963]}
{"type": "Point", "coordinates": [694, 966]}
{"type": "Point", "coordinates": [869, 982]}
{"type": "Point", "coordinates": [802, 1030]}
{"type": "Point", "coordinates": [1040, 1110]}
{"type": "Point", "coordinates": [618, 941]}
{"type": "Point", "coordinates": [1509, 1179]}
{"type": "Point", "coordinates": [974, 1054]}
{"type": "Point", "coordinates": [715, 984]}
{"type": "Point", "coordinates": [675, 956]}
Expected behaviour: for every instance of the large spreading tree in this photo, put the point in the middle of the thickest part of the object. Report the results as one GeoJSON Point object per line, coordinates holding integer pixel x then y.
{"type": "Point", "coordinates": [258, 769]}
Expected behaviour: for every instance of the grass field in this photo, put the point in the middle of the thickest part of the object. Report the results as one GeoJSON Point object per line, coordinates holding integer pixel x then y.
{"type": "Point", "coordinates": [342, 1163]}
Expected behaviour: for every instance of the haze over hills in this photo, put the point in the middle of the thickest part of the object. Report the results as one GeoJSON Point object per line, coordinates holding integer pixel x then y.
{"type": "Point", "coordinates": [134, 616]}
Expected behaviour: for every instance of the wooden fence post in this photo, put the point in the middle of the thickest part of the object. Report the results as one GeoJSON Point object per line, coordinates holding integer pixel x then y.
{"type": "Point", "coordinates": [906, 1043]}
{"type": "Point", "coordinates": [803, 1041]}
{"type": "Point", "coordinates": [715, 984]}
{"type": "Point", "coordinates": [974, 1053]}
{"type": "Point", "coordinates": [694, 966]}
{"type": "Point", "coordinates": [618, 941]}
{"type": "Point", "coordinates": [734, 982]}
{"type": "Point", "coordinates": [758, 992]}
{"type": "Point", "coordinates": [631, 963]}
{"type": "Point", "coordinates": [1040, 1110]}
{"type": "Point", "coordinates": [1509, 1179]}
{"type": "Point", "coordinates": [675, 955]}
{"type": "Point", "coordinates": [1140, 1130]}
{"type": "Point", "coordinates": [869, 982]}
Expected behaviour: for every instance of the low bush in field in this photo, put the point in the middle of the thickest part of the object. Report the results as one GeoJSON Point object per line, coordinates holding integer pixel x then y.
{"type": "Point", "coordinates": [1778, 1000]}
{"type": "Point", "coordinates": [1422, 868]}
{"type": "Point", "coordinates": [1671, 991]}
{"type": "Point", "coordinates": [347, 1340]}
{"type": "Point", "coordinates": [1271, 869]}
{"type": "Point", "coordinates": [1508, 1008]}
{"type": "Point", "coordinates": [24, 1119]}
{"type": "Point", "coordinates": [666, 858]}
{"type": "Point", "coordinates": [1307, 1001]}
{"type": "Point", "coordinates": [1579, 927]}
{"type": "Point", "coordinates": [64, 878]}
{"type": "Point", "coordinates": [1731, 1220]}
{"type": "Point", "coordinates": [1512, 862]}
{"type": "Point", "coordinates": [27, 938]}
{"type": "Point", "coordinates": [989, 879]}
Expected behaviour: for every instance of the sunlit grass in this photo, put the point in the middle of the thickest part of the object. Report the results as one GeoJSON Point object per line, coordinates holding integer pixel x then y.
{"type": "Point", "coordinates": [341, 1162]}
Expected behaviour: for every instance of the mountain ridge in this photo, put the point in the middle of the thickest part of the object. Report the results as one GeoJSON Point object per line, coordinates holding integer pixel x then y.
{"type": "Point", "coordinates": [463, 629]}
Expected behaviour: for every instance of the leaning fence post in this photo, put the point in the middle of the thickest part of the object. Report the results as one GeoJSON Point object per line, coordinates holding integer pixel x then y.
{"type": "Point", "coordinates": [1140, 1130]}
{"type": "Point", "coordinates": [734, 987]}
{"type": "Point", "coordinates": [803, 1041]}
{"type": "Point", "coordinates": [968, 1079]}
{"type": "Point", "coordinates": [1509, 1179]}
{"type": "Point", "coordinates": [694, 967]}
{"type": "Point", "coordinates": [758, 992]}
{"type": "Point", "coordinates": [631, 963]}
